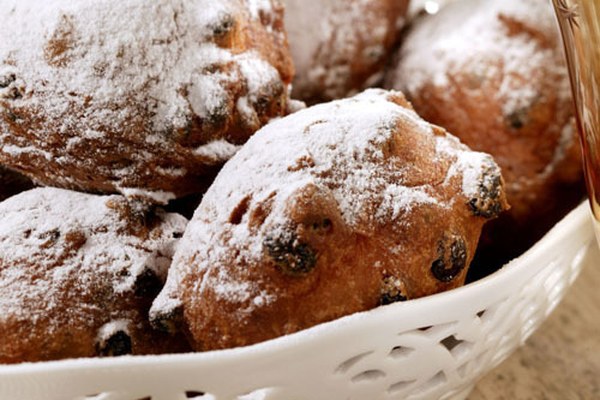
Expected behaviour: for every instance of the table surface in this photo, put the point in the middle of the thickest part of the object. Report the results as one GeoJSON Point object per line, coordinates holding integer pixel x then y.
{"type": "Point", "coordinates": [561, 361]}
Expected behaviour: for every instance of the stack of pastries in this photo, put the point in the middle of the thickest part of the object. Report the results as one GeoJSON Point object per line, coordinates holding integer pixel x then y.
{"type": "Point", "coordinates": [165, 188]}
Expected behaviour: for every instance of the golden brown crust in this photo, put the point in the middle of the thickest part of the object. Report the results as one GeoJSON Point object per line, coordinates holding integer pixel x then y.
{"type": "Point", "coordinates": [78, 274]}
{"type": "Point", "coordinates": [342, 48]}
{"type": "Point", "coordinates": [353, 204]}
{"type": "Point", "coordinates": [151, 120]}
{"type": "Point", "coordinates": [504, 91]}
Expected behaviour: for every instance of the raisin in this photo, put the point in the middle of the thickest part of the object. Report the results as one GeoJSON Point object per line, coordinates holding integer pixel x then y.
{"type": "Point", "coordinates": [7, 79]}
{"type": "Point", "coordinates": [224, 26]}
{"type": "Point", "coordinates": [392, 291]}
{"type": "Point", "coordinates": [322, 226]}
{"type": "Point", "coordinates": [290, 255]}
{"type": "Point", "coordinates": [135, 211]}
{"type": "Point", "coordinates": [518, 118]}
{"type": "Point", "coordinates": [17, 94]}
{"type": "Point", "coordinates": [147, 284]}
{"type": "Point", "coordinates": [488, 202]}
{"type": "Point", "coordinates": [50, 238]}
{"type": "Point", "coordinates": [210, 69]}
{"type": "Point", "coordinates": [167, 321]}
{"type": "Point", "coordinates": [261, 105]}
{"type": "Point", "coordinates": [117, 344]}
{"type": "Point", "coordinates": [12, 93]}
{"type": "Point", "coordinates": [452, 259]}
{"type": "Point", "coordinates": [217, 115]}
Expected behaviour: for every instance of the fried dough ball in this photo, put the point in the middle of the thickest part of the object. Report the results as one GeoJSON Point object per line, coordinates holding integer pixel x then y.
{"type": "Point", "coordinates": [492, 72]}
{"type": "Point", "coordinates": [333, 210]}
{"type": "Point", "coordinates": [136, 98]}
{"type": "Point", "coordinates": [342, 47]}
{"type": "Point", "coordinates": [12, 183]}
{"type": "Point", "coordinates": [78, 273]}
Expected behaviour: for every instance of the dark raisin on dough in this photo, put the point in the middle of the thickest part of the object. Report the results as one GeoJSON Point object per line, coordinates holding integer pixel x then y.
{"type": "Point", "coordinates": [147, 284]}
{"type": "Point", "coordinates": [117, 344]}
{"type": "Point", "coordinates": [452, 259]}
{"type": "Point", "coordinates": [167, 321]}
{"type": "Point", "coordinates": [488, 202]}
{"type": "Point", "coordinates": [7, 79]}
{"type": "Point", "coordinates": [208, 69]}
{"type": "Point", "coordinates": [224, 26]}
{"type": "Point", "coordinates": [289, 254]}
{"type": "Point", "coordinates": [10, 88]}
{"type": "Point", "coordinates": [518, 118]}
{"type": "Point", "coordinates": [268, 96]}
{"type": "Point", "coordinates": [49, 237]}
{"type": "Point", "coordinates": [392, 291]}
{"type": "Point", "coordinates": [16, 94]}
{"type": "Point", "coordinates": [322, 226]}
{"type": "Point", "coordinates": [261, 104]}
{"type": "Point", "coordinates": [218, 116]}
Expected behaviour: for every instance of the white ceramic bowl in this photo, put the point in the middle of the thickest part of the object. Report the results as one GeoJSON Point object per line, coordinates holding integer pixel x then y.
{"type": "Point", "coordinates": [432, 348]}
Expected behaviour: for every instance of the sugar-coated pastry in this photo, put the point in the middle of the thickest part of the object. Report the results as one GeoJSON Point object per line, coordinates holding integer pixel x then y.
{"type": "Point", "coordinates": [78, 273]}
{"type": "Point", "coordinates": [138, 98]}
{"type": "Point", "coordinates": [332, 210]}
{"type": "Point", "coordinates": [492, 72]}
{"type": "Point", "coordinates": [12, 183]}
{"type": "Point", "coordinates": [340, 47]}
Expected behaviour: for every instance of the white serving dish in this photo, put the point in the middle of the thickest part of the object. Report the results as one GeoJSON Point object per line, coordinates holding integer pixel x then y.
{"type": "Point", "coordinates": [432, 348]}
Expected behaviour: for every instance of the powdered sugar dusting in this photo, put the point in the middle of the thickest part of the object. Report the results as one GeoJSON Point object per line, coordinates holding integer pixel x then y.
{"type": "Point", "coordinates": [401, 199]}
{"type": "Point", "coordinates": [257, 73]}
{"type": "Point", "coordinates": [470, 38]}
{"type": "Point", "coordinates": [164, 38]}
{"type": "Point", "coordinates": [99, 72]}
{"type": "Point", "coordinates": [324, 44]}
{"type": "Point", "coordinates": [16, 151]}
{"type": "Point", "coordinates": [258, 6]}
{"type": "Point", "coordinates": [341, 147]}
{"type": "Point", "coordinates": [53, 239]}
{"type": "Point", "coordinates": [346, 137]}
{"type": "Point", "coordinates": [472, 166]}
{"type": "Point", "coordinates": [159, 197]}
{"type": "Point", "coordinates": [109, 329]}
{"type": "Point", "coordinates": [217, 149]}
